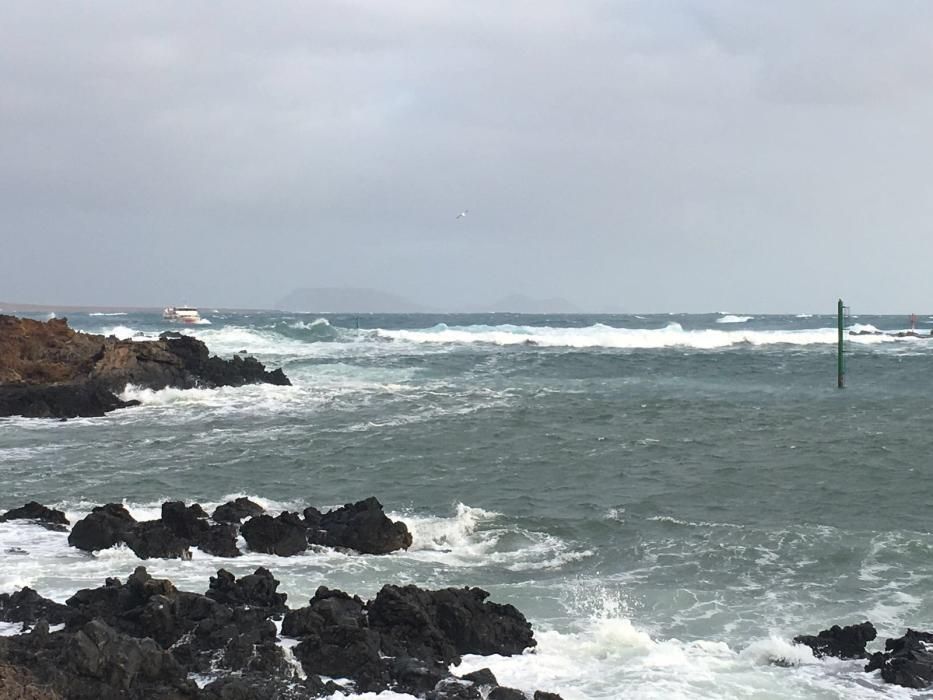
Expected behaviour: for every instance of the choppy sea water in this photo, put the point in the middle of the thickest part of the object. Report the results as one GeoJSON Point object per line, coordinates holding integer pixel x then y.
{"type": "Point", "coordinates": [669, 499]}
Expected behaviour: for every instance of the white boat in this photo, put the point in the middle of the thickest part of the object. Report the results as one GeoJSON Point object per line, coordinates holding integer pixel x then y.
{"type": "Point", "coordinates": [185, 314]}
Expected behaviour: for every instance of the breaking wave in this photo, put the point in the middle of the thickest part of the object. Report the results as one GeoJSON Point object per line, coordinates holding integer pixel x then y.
{"type": "Point", "coordinates": [729, 318]}
{"type": "Point", "coordinates": [599, 335]}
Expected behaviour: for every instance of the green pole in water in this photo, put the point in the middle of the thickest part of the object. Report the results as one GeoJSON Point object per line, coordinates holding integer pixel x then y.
{"type": "Point", "coordinates": [841, 351]}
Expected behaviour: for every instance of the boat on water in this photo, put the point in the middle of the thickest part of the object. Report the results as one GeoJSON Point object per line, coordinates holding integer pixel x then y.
{"type": "Point", "coordinates": [185, 314]}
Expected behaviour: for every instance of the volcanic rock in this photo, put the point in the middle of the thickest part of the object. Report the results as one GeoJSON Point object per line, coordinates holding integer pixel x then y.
{"type": "Point", "coordinates": [235, 511]}
{"type": "Point", "coordinates": [219, 540]}
{"type": "Point", "coordinates": [503, 693]}
{"type": "Point", "coordinates": [842, 642]}
{"type": "Point", "coordinates": [47, 517]}
{"type": "Point", "coordinates": [362, 526]}
{"type": "Point", "coordinates": [154, 540]}
{"type": "Point", "coordinates": [447, 623]}
{"type": "Point", "coordinates": [104, 527]}
{"type": "Point", "coordinates": [28, 606]}
{"type": "Point", "coordinates": [79, 398]}
{"type": "Point", "coordinates": [906, 661]}
{"type": "Point", "coordinates": [284, 535]}
{"type": "Point", "coordinates": [49, 370]}
{"type": "Point", "coordinates": [256, 590]}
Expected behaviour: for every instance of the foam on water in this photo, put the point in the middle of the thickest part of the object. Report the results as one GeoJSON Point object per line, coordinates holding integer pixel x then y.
{"type": "Point", "coordinates": [730, 318]}
{"type": "Point", "coordinates": [603, 336]}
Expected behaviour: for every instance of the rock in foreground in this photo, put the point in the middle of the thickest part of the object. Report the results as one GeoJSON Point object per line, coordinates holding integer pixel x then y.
{"type": "Point", "coordinates": [144, 639]}
{"type": "Point", "coordinates": [48, 370]}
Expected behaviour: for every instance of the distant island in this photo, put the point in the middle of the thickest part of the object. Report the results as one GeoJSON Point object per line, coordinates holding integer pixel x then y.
{"type": "Point", "coordinates": [366, 300]}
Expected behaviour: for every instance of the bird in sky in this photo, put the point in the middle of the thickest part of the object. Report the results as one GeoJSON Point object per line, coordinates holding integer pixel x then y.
{"type": "Point", "coordinates": [463, 214]}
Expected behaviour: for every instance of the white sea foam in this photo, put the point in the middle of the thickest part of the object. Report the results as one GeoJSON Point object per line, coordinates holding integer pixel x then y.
{"type": "Point", "coordinates": [599, 335]}
{"type": "Point", "coordinates": [804, 316]}
{"type": "Point", "coordinates": [100, 313]}
{"type": "Point", "coordinates": [729, 318]}
{"type": "Point", "coordinates": [8, 629]}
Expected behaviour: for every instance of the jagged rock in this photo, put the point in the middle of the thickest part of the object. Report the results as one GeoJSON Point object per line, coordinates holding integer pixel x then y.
{"type": "Point", "coordinates": [28, 606]}
{"type": "Point", "coordinates": [454, 689]}
{"type": "Point", "coordinates": [104, 527]}
{"type": "Point", "coordinates": [907, 661]}
{"type": "Point", "coordinates": [219, 540]}
{"type": "Point", "coordinates": [416, 676]}
{"type": "Point", "coordinates": [503, 693]}
{"type": "Point", "coordinates": [256, 590]}
{"type": "Point", "coordinates": [312, 518]}
{"type": "Point", "coordinates": [17, 683]}
{"type": "Point", "coordinates": [235, 511]}
{"type": "Point", "coordinates": [96, 662]}
{"type": "Point", "coordinates": [187, 522]}
{"type": "Point", "coordinates": [143, 638]}
{"type": "Point", "coordinates": [345, 652]}
{"type": "Point", "coordinates": [481, 677]}
{"type": "Point", "coordinates": [154, 540]}
{"type": "Point", "coordinates": [47, 517]}
{"type": "Point", "coordinates": [541, 695]}
{"type": "Point", "coordinates": [447, 623]}
{"type": "Point", "coordinates": [842, 642]}
{"type": "Point", "coordinates": [326, 609]}
{"type": "Point", "coordinates": [80, 398]}
{"type": "Point", "coordinates": [256, 686]}
{"type": "Point", "coordinates": [284, 535]}
{"type": "Point", "coordinates": [49, 370]}
{"type": "Point", "coordinates": [362, 526]}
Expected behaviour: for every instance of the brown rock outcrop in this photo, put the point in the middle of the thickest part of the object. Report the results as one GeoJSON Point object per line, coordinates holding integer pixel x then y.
{"type": "Point", "coordinates": [50, 370]}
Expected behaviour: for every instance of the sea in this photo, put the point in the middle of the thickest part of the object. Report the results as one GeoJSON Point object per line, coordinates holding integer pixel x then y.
{"type": "Point", "coordinates": [669, 499]}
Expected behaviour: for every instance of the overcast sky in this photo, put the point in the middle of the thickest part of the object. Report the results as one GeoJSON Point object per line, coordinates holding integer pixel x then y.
{"type": "Point", "coordinates": [639, 156]}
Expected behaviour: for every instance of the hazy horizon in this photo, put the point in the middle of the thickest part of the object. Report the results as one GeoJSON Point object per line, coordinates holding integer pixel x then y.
{"type": "Point", "coordinates": [629, 157]}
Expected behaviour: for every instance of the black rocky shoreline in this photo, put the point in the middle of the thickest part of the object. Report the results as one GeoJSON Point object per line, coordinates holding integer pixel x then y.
{"type": "Point", "coordinates": [144, 638]}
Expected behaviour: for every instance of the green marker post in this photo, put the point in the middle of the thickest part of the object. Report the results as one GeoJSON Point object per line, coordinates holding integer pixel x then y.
{"type": "Point", "coordinates": [841, 361]}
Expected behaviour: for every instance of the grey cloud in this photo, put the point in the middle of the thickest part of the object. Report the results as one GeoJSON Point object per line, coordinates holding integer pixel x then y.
{"type": "Point", "coordinates": [637, 155]}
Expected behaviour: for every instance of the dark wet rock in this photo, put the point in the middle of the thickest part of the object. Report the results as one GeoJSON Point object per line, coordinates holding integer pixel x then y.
{"type": "Point", "coordinates": [187, 522]}
{"type": "Point", "coordinates": [481, 677]}
{"type": "Point", "coordinates": [416, 676]}
{"type": "Point", "coordinates": [257, 686]}
{"type": "Point", "coordinates": [141, 607]}
{"type": "Point", "coordinates": [336, 641]}
{"type": "Point", "coordinates": [219, 540]}
{"type": "Point", "coordinates": [447, 623]}
{"type": "Point", "coordinates": [48, 370]}
{"type": "Point", "coordinates": [47, 517]}
{"type": "Point", "coordinates": [326, 609]}
{"type": "Point", "coordinates": [454, 689]}
{"type": "Point", "coordinates": [345, 652]}
{"type": "Point", "coordinates": [84, 398]}
{"type": "Point", "coordinates": [143, 638]}
{"type": "Point", "coordinates": [28, 606]}
{"type": "Point", "coordinates": [154, 540]}
{"type": "Point", "coordinates": [907, 661]}
{"type": "Point", "coordinates": [104, 527]}
{"type": "Point", "coordinates": [312, 518]}
{"type": "Point", "coordinates": [503, 693]}
{"type": "Point", "coordinates": [235, 511]}
{"type": "Point", "coordinates": [284, 535]}
{"type": "Point", "coordinates": [96, 662]}
{"type": "Point", "coordinates": [541, 695]}
{"type": "Point", "coordinates": [362, 526]}
{"type": "Point", "coordinates": [257, 590]}
{"type": "Point", "coordinates": [842, 642]}
{"type": "Point", "coordinates": [16, 683]}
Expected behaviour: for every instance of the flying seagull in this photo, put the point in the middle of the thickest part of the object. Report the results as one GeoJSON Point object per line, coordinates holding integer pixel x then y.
{"type": "Point", "coordinates": [463, 213]}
